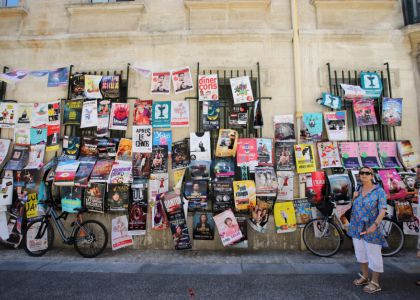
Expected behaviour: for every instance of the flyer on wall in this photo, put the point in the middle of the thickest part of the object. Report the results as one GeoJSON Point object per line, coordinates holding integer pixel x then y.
{"type": "Point", "coordinates": [89, 114]}
{"type": "Point", "coordinates": [182, 80]}
{"type": "Point", "coordinates": [303, 211]}
{"type": "Point", "coordinates": [312, 127]}
{"type": "Point", "coordinates": [40, 115]}
{"type": "Point", "coordinates": [285, 185]}
{"type": "Point", "coordinates": [104, 107]}
{"type": "Point", "coordinates": [120, 237]}
{"type": "Point", "coordinates": [388, 154]}
{"type": "Point", "coordinates": [336, 125]}
{"type": "Point", "coordinates": [369, 154]}
{"type": "Point", "coordinates": [137, 210]}
{"type": "Point", "coordinates": [161, 83]}
{"type": "Point", "coordinates": [284, 128]}
{"type": "Point", "coordinates": [305, 159]}
{"type": "Point", "coordinates": [228, 227]}
{"type": "Point", "coordinates": [265, 181]}
{"type": "Point", "coordinates": [142, 138]}
{"type": "Point", "coordinates": [227, 143]}
{"type": "Point", "coordinates": [180, 154]}
{"type": "Point", "coordinates": [8, 114]}
{"type": "Point", "coordinates": [391, 111]}
{"type": "Point", "coordinates": [284, 217]}
{"type": "Point", "coordinates": [208, 87]}
{"type": "Point", "coordinates": [328, 155]}
{"type": "Point", "coordinates": [92, 83]}
{"type": "Point", "coordinates": [241, 90]}
{"type": "Point", "coordinates": [142, 114]}
{"type": "Point", "coordinates": [223, 194]}
{"type": "Point", "coordinates": [110, 87]}
{"type": "Point", "coordinates": [260, 214]}
{"type": "Point", "coordinates": [141, 165]}
{"type": "Point", "coordinates": [244, 192]}
{"type": "Point", "coordinates": [285, 155]}
{"type": "Point", "coordinates": [163, 138]}
{"type": "Point", "coordinates": [364, 111]}
{"type": "Point", "coordinates": [95, 197]}
{"type": "Point", "coordinates": [159, 159]}
{"type": "Point", "coordinates": [161, 114]}
{"type": "Point", "coordinates": [119, 116]}
{"type": "Point", "coordinates": [247, 154]}
{"type": "Point", "coordinates": [200, 146]}
{"type": "Point", "coordinates": [265, 152]}
{"type": "Point", "coordinates": [349, 152]}
{"type": "Point", "coordinates": [24, 113]}
{"type": "Point", "coordinates": [72, 112]}
{"type": "Point", "coordinates": [211, 115]}
{"type": "Point", "coordinates": [203, 226]}
{"type": "Point", "coordinates": [340, 187]}
{"type": "Point", "coordinates": [180, 114]}
{"type": "Point", "coordinates": [196, 192]}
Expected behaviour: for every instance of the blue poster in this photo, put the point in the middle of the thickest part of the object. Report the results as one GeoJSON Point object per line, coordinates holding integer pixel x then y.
{"type": "Point", "coordinates": [371, 83]}
{"type": "Point", "coordinates": [71, 198]}
{"type": "Point", "coordinates": [161, 111]}
{"type": "Point", "coordinates": [161, 138]}
{"type": "Point", "coordinates": [392, 111]}
{"type": "Point", "coordinates": [313, 126]}
{"type": "Point", "coordinates": [58, 77]}
{"type": "Point", "coordinates": [38, 135]}
{"type": "Point", "coordinates": [331, 101]}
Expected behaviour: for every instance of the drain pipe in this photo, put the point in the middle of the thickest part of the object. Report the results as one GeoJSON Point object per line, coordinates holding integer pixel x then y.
{"type": "Point", "coordinates": [298, 77]}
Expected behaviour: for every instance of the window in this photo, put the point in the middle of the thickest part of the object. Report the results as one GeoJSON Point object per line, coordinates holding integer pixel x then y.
{"type": "Point", "coordinates": [9, 3]}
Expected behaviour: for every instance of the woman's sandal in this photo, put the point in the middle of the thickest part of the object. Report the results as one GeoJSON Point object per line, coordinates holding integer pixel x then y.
{"type": "Point", "coordinates": [362, 280]}
{"type": "Point", "coordinates": [372, 287]}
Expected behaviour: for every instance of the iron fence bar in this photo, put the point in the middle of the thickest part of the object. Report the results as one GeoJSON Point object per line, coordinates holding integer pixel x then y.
{"type": "Point", "coordinates": [3, 85]}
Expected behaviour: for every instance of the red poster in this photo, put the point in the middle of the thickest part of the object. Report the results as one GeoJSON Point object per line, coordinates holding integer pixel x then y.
{"type": "Point", "coordinates": [315, 186]}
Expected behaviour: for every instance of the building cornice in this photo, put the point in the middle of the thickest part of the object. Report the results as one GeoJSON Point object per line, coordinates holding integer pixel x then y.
{"type": "Point", "coordinates": [113, 7]}
{"type": "Point", "coordinates": [208, 4]}
{"type": "Point", "coordinates": [354, 3]}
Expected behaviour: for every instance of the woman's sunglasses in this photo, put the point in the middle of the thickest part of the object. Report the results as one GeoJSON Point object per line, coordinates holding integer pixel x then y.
{"type": "Point", "coordinates": [365, 173]}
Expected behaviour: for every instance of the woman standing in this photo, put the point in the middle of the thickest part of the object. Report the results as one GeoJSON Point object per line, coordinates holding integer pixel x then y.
{"type": "Point", "coordinates": [369, 208]}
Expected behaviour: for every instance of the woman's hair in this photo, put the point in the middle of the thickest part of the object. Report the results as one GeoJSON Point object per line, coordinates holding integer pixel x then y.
{"type": "Point", "coordinates": [226, 220]}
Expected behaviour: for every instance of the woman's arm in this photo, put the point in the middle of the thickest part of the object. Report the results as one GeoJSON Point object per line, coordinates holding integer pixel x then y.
{"type": "Point", "coordinates": [378, 221]}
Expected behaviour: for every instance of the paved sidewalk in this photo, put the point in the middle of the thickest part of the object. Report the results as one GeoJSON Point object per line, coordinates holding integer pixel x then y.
{"type": "Point", "coordinates": [200, 262]}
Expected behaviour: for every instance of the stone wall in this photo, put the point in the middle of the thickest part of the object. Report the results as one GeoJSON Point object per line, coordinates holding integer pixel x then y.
{"type": "Point", "coordinates": [226, 34]}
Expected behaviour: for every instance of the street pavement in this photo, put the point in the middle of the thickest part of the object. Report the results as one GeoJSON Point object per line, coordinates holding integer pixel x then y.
{"type": "Point", "coordinates": [162, 274]}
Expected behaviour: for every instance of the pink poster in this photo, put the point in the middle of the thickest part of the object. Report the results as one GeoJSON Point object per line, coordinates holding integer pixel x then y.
{"type": "Point", "coordinates": [369, 154]}
{"type": "Point", "coordinates": [389, 155]}
{"type": "Point", "coordinates": [393, 184]}
{"type": "Point", "coordinates": [349, 152]}
{"type": "Point", "coordinates": [246, 153]}
{"type": "Point", "coordinates": [365, 112]}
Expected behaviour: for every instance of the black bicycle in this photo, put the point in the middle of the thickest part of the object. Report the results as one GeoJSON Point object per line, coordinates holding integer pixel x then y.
{"type": "Point", "coordinates": [89, 237]}
{"type": "Point", "coordinates": [324, 236]}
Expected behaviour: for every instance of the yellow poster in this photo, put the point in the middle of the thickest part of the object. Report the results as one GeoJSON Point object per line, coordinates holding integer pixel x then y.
{"type": "Point", "coordinates": [124, 150]}
{"type": "Point", "coordinates": [305, 159]}
{"type": "Point", "coordinates": [284, 217]}
{"type": "Point", "coordinates": [178, 176]}
{"type": "Point", "coordinates": [31, 206]}
{"type": "Point", "coordinates": [244, 194]}
{"type": "Point", "coordinates": [226, 143]}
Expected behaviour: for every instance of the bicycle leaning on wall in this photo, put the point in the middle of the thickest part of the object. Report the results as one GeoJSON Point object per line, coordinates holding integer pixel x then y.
{"type": "Point", "coordinates": [88, 237]}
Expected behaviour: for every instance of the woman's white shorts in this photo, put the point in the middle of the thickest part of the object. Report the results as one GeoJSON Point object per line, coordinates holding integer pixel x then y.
{"type": "Point", "coordinates": [369, 253]}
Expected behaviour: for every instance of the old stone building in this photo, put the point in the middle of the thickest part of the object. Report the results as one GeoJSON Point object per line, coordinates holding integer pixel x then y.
{"type": "Point", "coordinates": [292, 40]}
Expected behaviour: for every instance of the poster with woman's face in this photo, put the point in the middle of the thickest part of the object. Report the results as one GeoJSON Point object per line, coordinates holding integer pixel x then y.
{"type": "Point", "coordinates": [203, 226]}
{"type": "Point", "coordinates": [228, 227]}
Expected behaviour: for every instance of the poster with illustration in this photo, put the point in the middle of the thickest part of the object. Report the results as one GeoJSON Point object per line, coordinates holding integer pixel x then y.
{"type": "Point", "coordinates": [54, 112]}
{"type": "Point", "coordinates": [120, 237]}
{"type": "Point", "coordinates": [89, 114]}
{"type": "Point", "coordinates": [180, 154]}
{"type": "Point", "coordinates": [284, 155]}
{"type": "Point", "coordinates": [53, 137]}
{"type": "Point", "coordinates": [391, 111]}
{"type": "Point", "coordinates": [77, 85]}
{"type": "Point", "coordinates": [371, 83]}
{"type": "Point", "coordinates": [227, 143]}
{"type": "Point", "coordinates": [22, 135]}
{"type": "Point", "coordinates": [161, 83]}
{"type": "Point", "coordinates": [211, 115]}
{"type": "Point", "coordinates": [92, 83]}
{"type": "Point", "coordinates": [392, 184]}
{"type": "Point", "coordinates": [163, 138]}
{"type": "Point", "coordinates": [142, 138]}
{"type": "Point", "coordinates": [265, 181]}
{"type": "Point", "coordinates": [203, 226]}
{"type": "Point", "coordinates": [238, 117]}
{"type": "Point", "coordinates": [228, 227]}
{"type": "Point", "coordinates": [180, 114]}
{"type": "Point", "coordinates": [161, 114]}
{"type": "Point", "coordinates": [182, 80]}
{"type": "Point", "coordinates": [58, 77]}
{"type": "Point", "coordinates": [142, 114]}
{"type": "Point", "coordinates": [208, 87]}
{"type": "Point", "coordinates": [284, 217]}
{"type": "Point", "coordinates": [159, 159]}
{"type": "Point", "coordinates": [95, 196]}
{"type": "Point", "coordinates": [336, 125]}
{"type": "Point", "coordinates": [244, 193]}
{"type": "Point", "coordinates": [124, 151]}
{"type": "Point", "coordinates": [246, 153]}
{"type": "Point", "coordinates": [315, 186]}
{"type": "Point", "coordinates": [285, 185]}
{"type": "Point", "coordinates": [141, 165]}
{"type": "Point", "coordinates": [119, 116]}
{"type": "Point", "coordinates": [305, 159]}
{"type": "Point", "coordinates": [349, 152]}
{"type": "Point", "coordinates": [303, 211]}
{"type": "Point", "coordinates": [364, 111]}
{"type": "Point", "coordinates": [200, 146]}
{"type": "Point", "coordinates": [24, 113]}
{"type": "Point", "coordinates": [331, 101]}
{"type": "Point", "coordinates": [137, 210]}
{"type": "Point", "coordinates": [104, 107]}
{"type": "Point", "coordinates": [312, 127]}
{"type": "Point", "coordinates": [369, 154]}
{"type": "Point", "coordinates": [38, 135]}
{"type": "Point", "coordinates": [8, 114]}
{"type": "Point", "coordinates": [284, 128]}
{"type": "Point", "coordinates": [407, 155]}
{"type": "Point", "coordinates": [388, 154]}
{"type": "Point", "coordinates": [241, 90]}
{"type": "Point", "coordinates": [352, 92]}
{"type": "Point", "coordinates": [110, 87]}
{"type": "Point", "coordinates": [36, 157]}
{"type": "Point", "coordinates": [158, 184]}
{"type": "Point", "coordinates": [265, 152]}
{"type": "Point", "coordinates": [4, 150]}
{"type": "Point", "coordinates": [40, 115]}
{"type": "Point", "coordinates": [328, 155]}
{"type": "Point", "coordinates": [72, 112]}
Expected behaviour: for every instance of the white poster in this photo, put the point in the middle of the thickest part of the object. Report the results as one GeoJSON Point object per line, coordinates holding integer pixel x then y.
{"type": "Point", "coordinates": [180, 114]}
{"type": "Point", "coordinates": [36, 244]}
{"type": "Point", "coordinates": [8, 114]}
{"type": "Point", "coordinates": [200, 146]}
{"type": "Point", "coordinates": [92, 86]}
{"type": "Point", "coordinates": [241, 90]}
{"type": "Point", "coordinates": [120, 236]}
{"type": "Point", "coordinates": [413, 227]}
{"type": "Point", "coordinates": [353, 91]}
{"type": "Point", "coordinates": [36, 157]}
{"type": "Point", "coordinates": [4, 149]}
{"type": "Point", "coordinates": [142, 139]}
{"type": "Point", "coordinates": [40, 115]}
{"type": "Point", "coordinates": [4, 230]}
{"type": "Point", "coordinates": [89, 114]}
{"type": "Point", "coordinates": [22, 135]}
{"type": "Point", "coordinates": [161, 83]}
{"type": "Point", "coordinates": [208, 87]}
{"type": "Point", "coordinates": [182, 80]}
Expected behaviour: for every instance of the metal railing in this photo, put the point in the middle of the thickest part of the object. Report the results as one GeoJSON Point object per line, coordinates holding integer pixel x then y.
{"type": "Point", "coordinates": [411, 10]}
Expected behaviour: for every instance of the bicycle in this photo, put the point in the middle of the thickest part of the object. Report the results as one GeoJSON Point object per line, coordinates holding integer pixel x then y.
{"type": "Point", "coordinates": [89, 238]}
{"type": "Point", "coordinates": [325, 236]}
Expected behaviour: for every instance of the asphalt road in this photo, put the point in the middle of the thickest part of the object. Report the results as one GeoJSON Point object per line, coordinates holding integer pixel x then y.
{"type": "Point", "coordinates": [76, 285]}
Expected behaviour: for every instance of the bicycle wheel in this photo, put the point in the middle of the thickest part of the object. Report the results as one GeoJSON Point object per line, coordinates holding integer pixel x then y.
{"type": "Point", "coordinates": [38, 238]}
{"type": "Point", "coordinates": [90, 238]}
{"type": "Point", "coordinates": [322, 237]}
{"type": "Point", "coordinates": [394, 237]}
